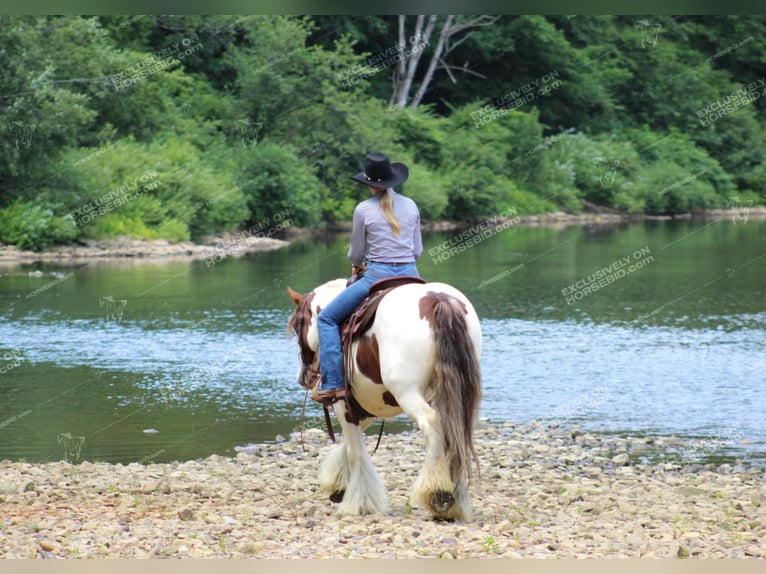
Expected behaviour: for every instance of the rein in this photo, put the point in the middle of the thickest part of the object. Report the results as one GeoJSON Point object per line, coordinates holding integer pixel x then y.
{"type": "Point", "coordinates": [301, 318]}
{"type": "Point", "coordinates": [328, 422]}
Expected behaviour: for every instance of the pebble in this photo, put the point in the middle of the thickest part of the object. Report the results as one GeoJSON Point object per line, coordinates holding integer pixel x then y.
{"type": "Point", "coordinates": [621, 459]}
{"type": "Point", "coordinates": [544, 492]}
{"type": "Point", "coordinates": [48, 546]}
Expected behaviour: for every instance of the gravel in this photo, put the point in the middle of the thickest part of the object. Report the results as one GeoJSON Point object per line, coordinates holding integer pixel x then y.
{"type": "Point", "coordinates": [543, 492]}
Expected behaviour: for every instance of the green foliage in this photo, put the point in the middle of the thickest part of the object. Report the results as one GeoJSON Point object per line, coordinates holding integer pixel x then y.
{"type": "Point", "coordinates": [279, 184]}
{"type": "Point", "coordinates": [27, 225]}
{"type": "Point", "coordinates": [270, 115]}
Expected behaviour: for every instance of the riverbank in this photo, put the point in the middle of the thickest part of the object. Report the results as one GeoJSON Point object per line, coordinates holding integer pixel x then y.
{"type": "Point", "coordinates": [128, 249]}
{"type": "Point", "coordinates": [544, 492]}
{"type": "Point", "coordinates": [215, 248]}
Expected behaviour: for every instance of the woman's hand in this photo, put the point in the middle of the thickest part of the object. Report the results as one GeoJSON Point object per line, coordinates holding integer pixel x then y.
{"type": "Point", "coordinates": [357, 269]}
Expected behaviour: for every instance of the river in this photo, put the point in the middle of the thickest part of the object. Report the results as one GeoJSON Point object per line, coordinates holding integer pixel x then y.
{"type": "Point", "coordinates": [650, 328]}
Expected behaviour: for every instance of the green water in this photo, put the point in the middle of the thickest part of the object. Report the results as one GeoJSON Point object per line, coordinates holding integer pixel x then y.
{"type": "Point", "coordinates": [192, 359]}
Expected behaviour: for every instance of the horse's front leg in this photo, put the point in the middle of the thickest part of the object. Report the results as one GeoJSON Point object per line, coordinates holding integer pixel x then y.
{"type": "Point", "coordinates": [348, 473]}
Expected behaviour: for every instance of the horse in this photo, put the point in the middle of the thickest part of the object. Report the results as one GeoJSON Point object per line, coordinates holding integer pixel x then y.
{"type": "Point", "coordinates": [420, 356]}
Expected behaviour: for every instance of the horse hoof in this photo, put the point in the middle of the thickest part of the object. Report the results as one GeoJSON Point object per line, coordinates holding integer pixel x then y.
{"type": "Point", "coordinates": [337, 496]}
{"type": "Point", "coordinates": [442, 501]}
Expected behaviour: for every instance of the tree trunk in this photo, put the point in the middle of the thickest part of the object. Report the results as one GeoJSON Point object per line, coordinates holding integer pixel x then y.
{"type": "Point", "coordinates": [404, 77]}
{"type": "Point", "coordinates": [432, 65]}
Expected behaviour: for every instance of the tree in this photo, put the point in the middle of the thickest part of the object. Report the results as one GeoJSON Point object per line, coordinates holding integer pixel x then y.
{"type": "Point", "coordinates": [410, 56]}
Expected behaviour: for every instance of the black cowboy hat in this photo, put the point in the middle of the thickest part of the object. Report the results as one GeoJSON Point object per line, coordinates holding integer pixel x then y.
{"type": "Point", "coordinates": [380, 172]}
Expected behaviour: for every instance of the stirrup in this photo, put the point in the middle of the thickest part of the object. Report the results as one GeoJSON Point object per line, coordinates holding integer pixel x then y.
{"type": "Point", "coordinates": [328, 397]}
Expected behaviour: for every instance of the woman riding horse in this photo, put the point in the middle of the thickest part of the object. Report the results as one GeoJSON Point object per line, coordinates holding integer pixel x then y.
{"type": "Point", "coordinates": [420, 356]}
{"type": "Point", "coordinates": [389, 225]}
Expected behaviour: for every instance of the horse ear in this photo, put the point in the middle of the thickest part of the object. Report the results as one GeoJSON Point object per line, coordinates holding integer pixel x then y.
{"type": "Point", "coordinates": [296, 297]}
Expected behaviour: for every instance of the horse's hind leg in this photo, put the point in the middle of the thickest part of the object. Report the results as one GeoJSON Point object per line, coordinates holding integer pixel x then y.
{"type": "Point", "coordinates": [433, 489]}
{"type": "Point", "coordinates": [349, 475]}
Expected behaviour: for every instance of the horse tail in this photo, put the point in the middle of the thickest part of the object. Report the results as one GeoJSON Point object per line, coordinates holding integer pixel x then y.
{"type": "Point", "coordinates": [457, 382]}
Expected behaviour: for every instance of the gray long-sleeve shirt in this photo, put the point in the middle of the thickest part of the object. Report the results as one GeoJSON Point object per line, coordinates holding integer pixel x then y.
{"type": "Point", "coordinates": [371, 229]}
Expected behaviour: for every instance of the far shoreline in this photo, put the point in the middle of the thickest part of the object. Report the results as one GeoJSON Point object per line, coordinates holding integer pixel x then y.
{"type": "Point", "coordinates": [237, 243]}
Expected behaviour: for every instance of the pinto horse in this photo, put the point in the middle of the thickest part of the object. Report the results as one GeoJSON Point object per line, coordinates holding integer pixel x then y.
{"type": "Point", "coordinates": [420, 356]}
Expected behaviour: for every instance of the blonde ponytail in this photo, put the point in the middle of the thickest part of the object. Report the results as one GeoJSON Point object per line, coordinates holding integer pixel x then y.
{"type": "Point", "coordinates": [387, 206]}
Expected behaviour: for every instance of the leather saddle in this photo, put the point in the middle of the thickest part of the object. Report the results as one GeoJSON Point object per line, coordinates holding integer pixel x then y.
{"type": "Point", "coordinates": [363, 316]}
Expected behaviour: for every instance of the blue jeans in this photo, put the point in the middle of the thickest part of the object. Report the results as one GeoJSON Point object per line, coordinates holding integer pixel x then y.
{"type": "Point", "coordinates": [331, 317]}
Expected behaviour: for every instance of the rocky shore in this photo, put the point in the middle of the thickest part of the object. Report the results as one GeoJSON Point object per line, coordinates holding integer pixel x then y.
{"type": "Point", "coordinates": [127, 249]}
{"type": "Point", "coordinates": [544, 491]}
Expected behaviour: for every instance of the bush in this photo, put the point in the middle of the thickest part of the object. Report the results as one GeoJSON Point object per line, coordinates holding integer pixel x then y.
{"type": "Point", "coordinates": [152, 190]}
{"type": "Point", "coordinates": [30, 226]}
{"type": "Point", "coordinates": [279, 184]}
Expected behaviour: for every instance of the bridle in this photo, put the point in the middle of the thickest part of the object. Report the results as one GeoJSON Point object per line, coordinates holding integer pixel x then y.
{"type": "Point", "coordinates": [300, 323]}
{"type": "Point", "coordinates": [310, 375]}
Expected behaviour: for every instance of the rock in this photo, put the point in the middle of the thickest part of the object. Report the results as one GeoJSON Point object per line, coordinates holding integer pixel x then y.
{"type": "Point", "coordinates": [149, 487]}
{"type": "Point", "coordinates": [48, 546]}
{"type": "Point", "coordinates": [621, 459]}
{"type": "Point", "coordinates": [186, 514]}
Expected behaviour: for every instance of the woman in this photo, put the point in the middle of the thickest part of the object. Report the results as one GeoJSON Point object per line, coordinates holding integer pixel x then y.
{"type": "Point", "coordinates": [389, 225]}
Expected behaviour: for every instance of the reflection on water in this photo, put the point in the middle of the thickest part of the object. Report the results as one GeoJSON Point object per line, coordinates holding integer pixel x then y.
{"type": "Point", "coordinates": [181, 360]}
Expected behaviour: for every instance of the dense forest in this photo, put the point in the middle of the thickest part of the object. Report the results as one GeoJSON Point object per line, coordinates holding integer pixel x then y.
{"type": "Point", "coordinates": [180, 127]}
